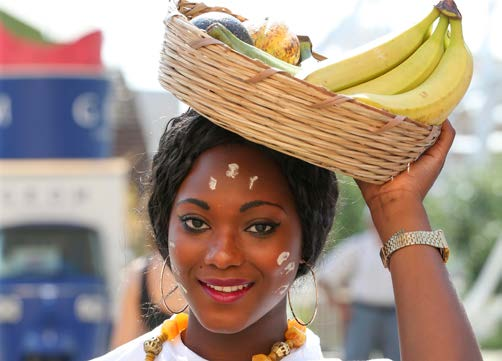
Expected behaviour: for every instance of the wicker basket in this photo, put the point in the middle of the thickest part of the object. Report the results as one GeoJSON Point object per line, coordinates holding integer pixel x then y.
{"type": "Point", "coordinates": [282, 112]}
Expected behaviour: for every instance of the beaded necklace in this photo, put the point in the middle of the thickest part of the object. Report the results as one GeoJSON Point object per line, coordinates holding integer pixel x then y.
{"type": "Point", "coordinates": [295, 337]}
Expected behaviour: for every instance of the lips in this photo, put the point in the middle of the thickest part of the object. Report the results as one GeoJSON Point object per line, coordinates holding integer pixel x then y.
{"type": "Point", "coordinates": [226, 290]}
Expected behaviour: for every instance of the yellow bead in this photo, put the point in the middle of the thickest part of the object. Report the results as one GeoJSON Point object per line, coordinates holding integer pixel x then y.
{"type": "Point", "coordinates": [153, 346]}
{"type": "Point", "coordinates": [281, 349]}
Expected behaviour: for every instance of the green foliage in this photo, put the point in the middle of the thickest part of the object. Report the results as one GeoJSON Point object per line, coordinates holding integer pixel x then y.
{"type": "Point", "coordinates": [494, 342]}
{"type": "Point", "coordinates": [19, 28]}
{"type": "Point", "coordinates": [467, 205]}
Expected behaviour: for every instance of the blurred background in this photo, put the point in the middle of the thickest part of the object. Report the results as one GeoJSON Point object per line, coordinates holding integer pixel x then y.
{"type": "Point", "coordinates": [81, 113]}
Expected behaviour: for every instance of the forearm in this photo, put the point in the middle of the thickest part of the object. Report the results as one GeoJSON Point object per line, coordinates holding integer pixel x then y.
{"type": "Point", "coordinates": [432, 323]}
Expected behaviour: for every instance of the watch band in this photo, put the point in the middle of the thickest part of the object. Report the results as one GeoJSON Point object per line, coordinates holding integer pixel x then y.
{"type": "Point", "coordinates": [403, 239]}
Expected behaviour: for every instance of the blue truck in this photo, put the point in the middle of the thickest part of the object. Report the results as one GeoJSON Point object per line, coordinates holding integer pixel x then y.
{"type": "Point", "coordinates": [54, 301]}
{"type": "Point", "coordinates": [61, 232]}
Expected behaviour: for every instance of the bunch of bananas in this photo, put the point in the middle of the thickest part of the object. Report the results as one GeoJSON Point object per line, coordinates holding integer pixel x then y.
{"type": "Point", "coordinates": [415, 74]}
{"type": "Point", "coordinates": [418, 73]}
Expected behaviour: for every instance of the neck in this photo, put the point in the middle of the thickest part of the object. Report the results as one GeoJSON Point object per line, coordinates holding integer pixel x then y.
{"type": "Point", "coordinates": [240, 346]}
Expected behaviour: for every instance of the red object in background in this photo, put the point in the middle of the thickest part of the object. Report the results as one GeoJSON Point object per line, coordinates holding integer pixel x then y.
{"type": "Point", "coordinates": [18, 51]}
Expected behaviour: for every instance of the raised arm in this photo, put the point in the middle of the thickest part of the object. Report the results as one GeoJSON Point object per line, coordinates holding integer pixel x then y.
{"type": "Point", "coordinates": [432, 322]}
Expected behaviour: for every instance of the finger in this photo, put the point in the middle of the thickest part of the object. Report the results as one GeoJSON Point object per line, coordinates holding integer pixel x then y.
{"type": "Point", "coordinates": [435, 157]}
{"type": "Point", "coordinates": [445, 140]}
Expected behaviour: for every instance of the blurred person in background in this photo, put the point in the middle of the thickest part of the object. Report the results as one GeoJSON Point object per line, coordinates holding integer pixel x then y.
{"type": "Point", "coordinates": [142, 308]}
{"type": "Point", "coordinates": [360, 290]}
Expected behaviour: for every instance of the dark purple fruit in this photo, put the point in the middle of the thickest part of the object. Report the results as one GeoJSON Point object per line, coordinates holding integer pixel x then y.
{"type": "Point", "coordinates": [230, 22]}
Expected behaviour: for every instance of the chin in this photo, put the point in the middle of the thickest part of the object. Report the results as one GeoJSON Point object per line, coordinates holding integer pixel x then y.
{"type": "Point", "coordinates": [224, 322]}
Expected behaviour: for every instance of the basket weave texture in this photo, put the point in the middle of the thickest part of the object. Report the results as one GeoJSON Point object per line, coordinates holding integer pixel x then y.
{"type": "Point", "coordinates": [281, 112]}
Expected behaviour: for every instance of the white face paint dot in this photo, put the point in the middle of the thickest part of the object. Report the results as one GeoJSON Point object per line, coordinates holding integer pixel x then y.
{"type": "Point", "coordinates": [233, 170]}
{"type": "Point", "coordinates": [172, 244]}
{"type": "Point", "coordinates": [282, 257]}
{"type": "Point", "coordinates": [212, 183]}
{"type": "Point", "coordinates": [251, 181]}
{"type": "Point", "coordinates": [290, 267]}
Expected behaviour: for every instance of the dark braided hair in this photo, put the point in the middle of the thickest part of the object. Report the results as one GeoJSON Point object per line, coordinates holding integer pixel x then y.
{"type": "Point", "coordinates": [314, 189]}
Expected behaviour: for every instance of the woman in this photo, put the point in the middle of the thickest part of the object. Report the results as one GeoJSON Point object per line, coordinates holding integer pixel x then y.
{"type": "Point", "coordinates": [238, 223]}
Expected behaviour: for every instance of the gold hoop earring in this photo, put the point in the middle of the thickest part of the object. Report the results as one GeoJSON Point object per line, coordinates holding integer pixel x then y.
{"type": "Point", "coordinates": [316, 300]}
{"type": "Point", "coordinates": [169, 293]}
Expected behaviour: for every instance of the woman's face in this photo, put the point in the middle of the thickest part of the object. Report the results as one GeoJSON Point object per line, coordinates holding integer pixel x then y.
{"type": "Point", "coordinates": [234, 237]}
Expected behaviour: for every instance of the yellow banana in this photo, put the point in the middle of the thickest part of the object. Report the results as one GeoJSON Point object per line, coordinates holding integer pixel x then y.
{"type": "Point", "coordinates": [411, 72]}
{"type": "Point", "coordinates": [433, 100]}
{"type": "Point", "coordinates": [371, 60]}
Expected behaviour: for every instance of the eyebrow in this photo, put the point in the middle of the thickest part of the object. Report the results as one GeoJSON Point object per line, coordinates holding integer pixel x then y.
{"type": "Point", "coordinates": [195, 201]}
{"type": "Point", "coordinates": [259, 203]}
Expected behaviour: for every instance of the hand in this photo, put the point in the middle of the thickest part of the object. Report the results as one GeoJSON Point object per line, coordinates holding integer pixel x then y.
{"type": "Point", "coordinates": [421, 176]}
{"type": "Point", "coordinates": [398, 204]}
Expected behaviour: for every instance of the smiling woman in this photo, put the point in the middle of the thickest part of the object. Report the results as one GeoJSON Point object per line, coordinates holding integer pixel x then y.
{"type": "Point", "coordinates": [237, 223]}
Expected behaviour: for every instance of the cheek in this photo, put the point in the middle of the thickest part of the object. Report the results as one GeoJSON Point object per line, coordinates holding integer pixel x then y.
{"type": "Point", "coordinates": [181, 252]}
{"type": "Point", "coordinates": [283, 264]}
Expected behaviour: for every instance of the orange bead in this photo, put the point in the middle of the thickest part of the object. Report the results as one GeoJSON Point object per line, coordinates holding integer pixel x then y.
{"type": "Point", "coordinates": [182, 321]}
{"type": "Point", "coordinates": [170, 328]}
{"type": "Point", "coordinates": [260, 357]}
{"type": "Point", "coordinates": [273, 357]}
{"type": "Point", "coordinates": [296, 335]}
{"type": "Point", "coordinates": [295, 323]}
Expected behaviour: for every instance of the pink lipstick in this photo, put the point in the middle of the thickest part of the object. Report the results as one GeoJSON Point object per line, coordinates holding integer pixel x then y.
{"type": "Point", "coordinates": [226, 290]}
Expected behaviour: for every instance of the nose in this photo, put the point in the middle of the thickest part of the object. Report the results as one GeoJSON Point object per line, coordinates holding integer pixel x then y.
{"type": "Point", "coordinates": [224, 251]}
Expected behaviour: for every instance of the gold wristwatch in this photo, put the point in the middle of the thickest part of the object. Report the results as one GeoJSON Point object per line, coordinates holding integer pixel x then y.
{"type": "Point", "coordinates": [402, 239]}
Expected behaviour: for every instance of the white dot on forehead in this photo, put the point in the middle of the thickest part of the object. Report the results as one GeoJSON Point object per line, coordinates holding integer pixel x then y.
{"type": "Point", "coordinates": [232, 171]}
{"type": "Point", "coordinates": [212, 183]}
{"type": "Point", "coordinates": [252, 180]}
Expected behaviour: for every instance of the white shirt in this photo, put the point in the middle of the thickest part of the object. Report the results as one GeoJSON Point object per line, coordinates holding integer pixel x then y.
{"type": "Point", "coordinates": [176, 350]}
{"type": "Point", "coordinates": [356, 264]}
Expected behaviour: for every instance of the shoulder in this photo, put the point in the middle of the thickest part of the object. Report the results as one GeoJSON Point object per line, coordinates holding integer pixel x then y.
{"type": "Point", "coordinates": [310, 351]}
{"type": "Point", "coordinates": [132, 350]}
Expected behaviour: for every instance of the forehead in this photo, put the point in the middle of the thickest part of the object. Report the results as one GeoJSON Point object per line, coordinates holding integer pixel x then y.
{"type": "Point", "coordinates": [243, 162]}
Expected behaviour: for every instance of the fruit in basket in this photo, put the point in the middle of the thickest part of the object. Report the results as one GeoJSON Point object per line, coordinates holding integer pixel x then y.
{"type": "Point", "coordinates": [276, 38]}
{"type": "Point", "coordinates": [220, 32]}
{"type": "Point", "coordinates": [411, 72]}
{"type": "Point", "coordinates": [233, 24]}
{"type": "Point", "coordinates": [371, 60]}
{"type": "Point", "coordinates": [434, 99]}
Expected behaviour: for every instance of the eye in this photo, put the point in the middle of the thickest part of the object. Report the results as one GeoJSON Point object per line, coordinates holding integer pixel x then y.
{"type": "Point", "coordinates": [193, 224]}
{"type": "Point", "coordinates": [263, 228]}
